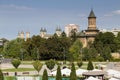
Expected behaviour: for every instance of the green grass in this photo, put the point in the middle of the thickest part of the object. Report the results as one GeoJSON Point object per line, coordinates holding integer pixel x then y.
{"type": "Point", "coordinates": [9, 78]}
{"type": "Point", "coordinates": [19, 69]}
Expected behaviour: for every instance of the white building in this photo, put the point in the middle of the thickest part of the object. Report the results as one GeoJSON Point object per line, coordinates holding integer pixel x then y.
{"type": "Point", "coordinates": [114, 31]}
{"type": "Point", "coordinates": [70, 27]}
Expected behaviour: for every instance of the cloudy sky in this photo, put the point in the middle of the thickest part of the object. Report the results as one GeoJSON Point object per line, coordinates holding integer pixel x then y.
{"type": "Point", "coordinates": [31, 15]}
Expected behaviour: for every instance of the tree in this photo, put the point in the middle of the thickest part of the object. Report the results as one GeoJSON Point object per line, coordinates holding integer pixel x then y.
{"type": "Point", "coordinates": [45, 75]}
{"type": "Point", "coordinates": [58, 76]}
{"type": "Point", "coordinates": [1, 75]}
{"type": "Point", "coordinates": [79, 64]}
{"type": "Point", "coordinates": [73, 73]}
{"type": "Point", "coordinates": [13, 47]}
{"type": "Point", "coordinates": [16, 63]}
{"type": "Point", "coordinates": [50, 64]}
{"type": "Point", "coordinates": [75, 49]}
{"type": "Point", "coordinates": [106, 53]}
{"type": "Point", "coordinates": [90, 66]}
{"type": "Point", "coordinates": [37, 65]}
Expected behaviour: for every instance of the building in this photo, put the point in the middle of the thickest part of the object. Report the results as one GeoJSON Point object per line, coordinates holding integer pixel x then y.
{"type": "Point", "coordinates": [21, 35]}
{"type": "Point", "coordinates": [89, 34]}
{"type": "Point", "coordinates": [44, 34]}
{"type": "Point", "coordinates": [58, 31]}
{"type": "Point", "coordinates": [69, 28]}
{"type": "Point", "coordinates": [114, 31]}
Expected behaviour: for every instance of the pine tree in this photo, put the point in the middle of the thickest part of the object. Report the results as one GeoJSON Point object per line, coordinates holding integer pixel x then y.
{"type": "Point", "coordinates": [73, 73]}
{"type": "Point", "coordinates": [90, 66]}
{"type": "Point", "coordinates": [58, 75]}
{"type": "Point", "coordinates": [1, 75]}
{"type": "Point", "coordinates": [45, 75]}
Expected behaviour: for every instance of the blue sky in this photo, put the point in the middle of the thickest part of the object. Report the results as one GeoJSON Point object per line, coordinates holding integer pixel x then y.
{"type": "Point", "coordinates": [31, 15]}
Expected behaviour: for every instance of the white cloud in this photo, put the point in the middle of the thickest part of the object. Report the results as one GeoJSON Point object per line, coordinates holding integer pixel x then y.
{"type": "Point", "coordinates": [116, 12]}
{"type": "Point", "coordinates": [113, 13]}
{"type": "Point", "coordinates": [11, 6]}
{"type": "Point", "coordinates": [108, 15]}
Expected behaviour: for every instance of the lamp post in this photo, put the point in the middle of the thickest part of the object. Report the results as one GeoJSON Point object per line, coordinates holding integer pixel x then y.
{"type": "Point", "coordinates": [64, 55]}
{"type": "Point", "coordinates": [119, 53]}
{"type": "Point", "coordinates": [37, 54]}
{"type": "Point", "coordinates": [81, 54]}
{"type": "Point", "coordinates": [21, 54]}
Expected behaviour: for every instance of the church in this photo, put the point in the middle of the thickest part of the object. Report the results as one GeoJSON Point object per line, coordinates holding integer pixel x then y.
{"type": "Point", "coordinates": [89, 34]}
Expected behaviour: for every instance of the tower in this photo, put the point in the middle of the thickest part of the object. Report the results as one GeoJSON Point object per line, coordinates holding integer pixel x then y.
{"type": "Point", "coordinates": [58, 31]}
{"type": "Point", "coordinates": [22, 35]}
{"type": "Point", "coordinates": [92, 21]}
{"type": "Point", "coordinates": [43, 32]}
{"type": "Point", "coordinates": [92, 28]}
{"type": "Point", "coordinates": [27, 35]}
{"type": "Point", "coordinates": [18, 36]}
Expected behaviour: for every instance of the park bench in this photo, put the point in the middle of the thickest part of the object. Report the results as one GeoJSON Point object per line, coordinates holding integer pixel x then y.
{"type": "Point", "coordinates": [25, 73]}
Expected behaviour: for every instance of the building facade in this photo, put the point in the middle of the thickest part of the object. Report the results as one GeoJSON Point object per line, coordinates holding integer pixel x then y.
{"type": "Point", "coordinates": [69, 28]}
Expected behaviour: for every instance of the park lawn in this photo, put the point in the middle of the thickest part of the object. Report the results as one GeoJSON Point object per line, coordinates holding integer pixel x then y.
{"type": "Point", "coordinates": [19, 69]}
{"type": "Point", "coordinates": [9, 78]}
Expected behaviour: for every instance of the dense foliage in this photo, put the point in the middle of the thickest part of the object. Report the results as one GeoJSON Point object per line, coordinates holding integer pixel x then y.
{"type": "Point", "coordinates": [75, 50]}
{"type": "Point", "coordinates": [62, 48]}
{"type": "Point", "coordinates": [37, 48]}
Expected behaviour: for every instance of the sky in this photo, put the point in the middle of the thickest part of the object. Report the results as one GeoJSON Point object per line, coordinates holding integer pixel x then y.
{"type": "Point", "coordinates": [32, 15]}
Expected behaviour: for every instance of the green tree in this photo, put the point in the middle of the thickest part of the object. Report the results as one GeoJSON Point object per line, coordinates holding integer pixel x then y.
{"type": "Point", "coordinates": [1, 75]}
{"type": "Point", "coordinates": [106, 54]}
{"type": "Point", "coordinates": [50, 64]}
{"type": "Point", "coordinates": [90, 65]}
{"type": "Point", "coordinates": [45, 75]}
{"type": "Point", "coordinates": [75, 50]}
{"type": "Point", "coordinates": [13, 47]}
{"type": "Point", "coordinates": [58, 75]}
{"type": "Point", "coordinates": [73, 73]}
{"type": "Point", "coordinates": [16, 63]}
{"type": "Point", "coordinates": [79, 64]}
{"type": "Point", "coordinates": [37, 65]}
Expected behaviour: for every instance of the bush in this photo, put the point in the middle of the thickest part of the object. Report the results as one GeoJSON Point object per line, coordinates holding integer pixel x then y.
{"type": "Point", "coordinates": [79, 64]}
{"type": "Point", "coordinates": [45, 75]}
{"type": "Point", "coordinates": [50, 64]}
{"type": "Point", "coordinates": [58, 75]}
{"type": "Point", "coordinates": [73, 73]}
{"type": "Point", "coordinates": [90, 66]}
{"type": "Point", "coordinates": [1, 75]}
{"type": "Point", "coordinates": [37, 65]}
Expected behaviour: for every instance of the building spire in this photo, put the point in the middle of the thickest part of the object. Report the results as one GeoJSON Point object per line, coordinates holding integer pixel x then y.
{"type": "Point", "coordinates": [92, 15]}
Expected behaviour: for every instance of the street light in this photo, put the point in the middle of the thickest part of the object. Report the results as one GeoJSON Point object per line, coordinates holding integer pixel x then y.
{"type": "Point", "coordinates": [1, 58]}
{"type": "Point", "coordinates": [81, 54]}
{"type": "Point", "coordinates": [21, 54]}
{"type": "Point", "coordinates": [119, 53]}
{"type": "Point", "coordinates": [37, 53]}
{"type": "Point", "coordinates": [64, 55]}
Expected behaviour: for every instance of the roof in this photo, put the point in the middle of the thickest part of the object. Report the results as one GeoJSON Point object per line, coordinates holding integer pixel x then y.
{"type": "Point", "coordinates": [92, 15]}
{"type": "Point", "coordinates": [94, 73]}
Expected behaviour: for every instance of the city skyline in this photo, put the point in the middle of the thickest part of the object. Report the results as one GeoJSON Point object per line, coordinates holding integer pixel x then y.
{"type": "Point", "coordinates": [32, 15]}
